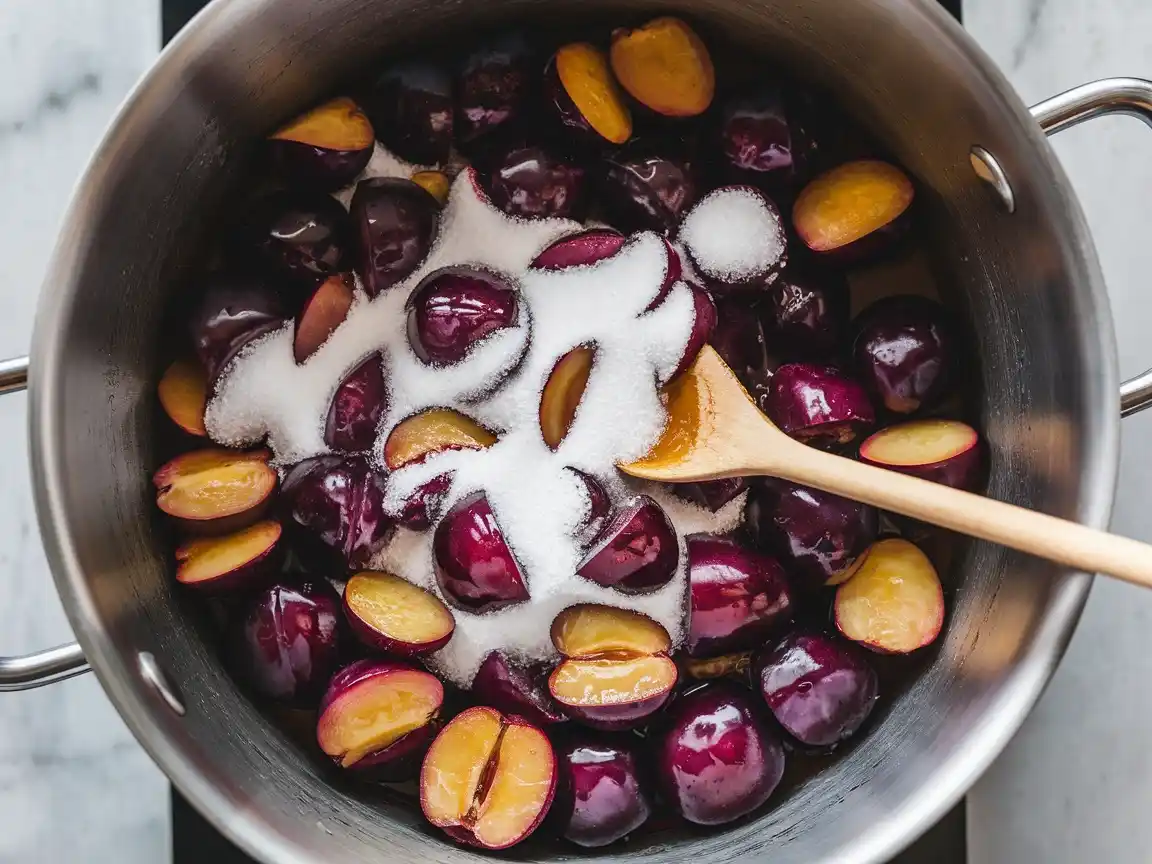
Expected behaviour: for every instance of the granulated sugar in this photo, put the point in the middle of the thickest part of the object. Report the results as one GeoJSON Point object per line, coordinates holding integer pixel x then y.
{"type": "Point", "coordinates": [537, 503]}
{"type": "Point", "coordinates": [734, 234]}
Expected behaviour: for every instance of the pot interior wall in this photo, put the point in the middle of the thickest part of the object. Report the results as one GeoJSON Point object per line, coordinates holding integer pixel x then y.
{"type": "Point", "coordinates": [134, 245]}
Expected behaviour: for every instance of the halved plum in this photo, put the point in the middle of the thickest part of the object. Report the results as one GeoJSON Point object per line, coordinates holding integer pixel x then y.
{"type": "Point", "coordinates": [739, 597]}
{"type": "Point", "coordinates": [287, 641]}
{"type": "Point", "coordinates": [716, 757]}
{"type": "Point", "coordinates": [488, 779]}
{"type": "Point", "coordinates": [298, 235]}
{"type": "Point", "coordinates": [432, 431]}
{"type": "Point", "coordinates": [510, 688]}
{"type": "Point", "coordinates": [455, 308]}
{"type": "Point", "coordinates": [738, 336]}
{"type": "Point", "coordinates": [231, 562]}
{"type": "Point", "coordinates": [335, 507]}
{"type": "Point", "coordinates": [216, 490]}
{"type": "Point", "coordinates": [183, 392]}
{"type": "Point", "coordinates": [379, 717]}
{"type": "Point", "coordinates": [590, 630]}
{"type": "Point", "coordinates": [819, 537]}
{"type": "Point", "coordinates": [820, 689]}
{"type": "Point", "coordinates": [392, 615]}
{"type": "Point", "coordinates": [562, 393]}
{"type": "Point", "coordinates": [326, 147]}
{"type": "Point", "coordinates": [420, 509]}
{"type": "Point", "coordinates": [665, 66]}
{"type": "Point", "coordinates": [435, 183]}
{"type": "Point", "coordinates": [603, 793]}
{"type": "Point", "coordinates": [595, 517]}
{"type": "Point", "coordinates": [357, 408]}
{"type": "Point", "coordinates": [232, 313]}
{"type": "Point", "coordinates": [530, 182]}
{"type": "Point", "coordinates": [395, 222]}
{"type": "Point", "coordinates": [475, 567]}
{"type": "Point", "coordinates": [636, 552]}
{"type": "Point", "coordinates": [893, 604]}
{"type": "Point", "coordinates": [581, 250]}
{"type": "Point", "coordinates": [703, 325]}
{"type": "Point", "coordinates": [644, 189]}
{"type": "Point", "coordinates": [818, 405]}
{"type": "Point", "coordinates": [710, 494]}
{"type": "Point", "coordinates": [492, 88]}
{"type": "Point", "coordinates": [323, 311]}
{"type": "Point", "coordinates": [410, 105]}
{"type": "Point", "coordinates": [854, 210]}
{"type": "Point", "coordinates": [806, 310]}
{"type": "Point", "coordinates": [584, 97]}
{"type": "Point", "coordinates": [756, 139]}
{"type": "Point", "coordinates": [943, 451]}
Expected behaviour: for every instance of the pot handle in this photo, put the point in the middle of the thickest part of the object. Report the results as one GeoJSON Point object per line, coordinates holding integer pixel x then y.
{"type": "Point", "coordinates": [54, 664]}
{"type": "Point", "coordinates": [1097, 99]}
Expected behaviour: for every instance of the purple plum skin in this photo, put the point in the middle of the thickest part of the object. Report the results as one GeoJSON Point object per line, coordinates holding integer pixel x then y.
{"type": "Point", "coordinates": [533, 183]}
{"type": "Point", "coordinates": [302, 236]}
{"type": "Point", "coordinates": [637, 551]}
{"type": "Point", "coordinates": [319, 168]}
{"type": "Point", "coordinates": [395, 222]}
{"type": "Point", "coordinates": [510, 689]}
{"type": "Point", "coordinates": [961, 471]}
{"type": "Point", "coordinates": [580, 250]}
{"type": "Point", "coordinates": [738, 336]}
{"type": "Point", "coordinates": [717, 759]}
{"type": "Point", "coordinates": [231, 314]}
{"type": "Point", "coordinates": [818, 405]}
{"type": "Point", "coordinates": [288, 641]}
{"type": "Point", "coordinates": [756, 140]}
{"type": "Point", "coordinates": [806, 311]}
{"type": "Point", "coordinates": [646, 191]}
{"type": "Point", "coordinates": [492, 88]}
{"type": "Point", "coordinates": [739, 597]}
{"type": "Point", "coordinates": [710, 494]}
{"type": "Point", "coordinates": [819, 688]}
{"type": "Point", "coordinates": [454, 308]}
{"type": "Point", "coordinates": [905, 352]}
{"type": "Point", "coordinates": [817, 536]}
{"type": "Point", "coordinates": [599, 507]}
{"type": "Point", "coordinates": [620, 716]}
{"type": "Point", "coordinates": [357, 408]}
{"type": "Point", "coordinates": [602, 791]}
{"type": "Point", "coordinates": [335, 507]}
{"type": "Point", "coordinates": [422, 507]}
{"type": "Point", "coordinates": [410, 107]}
{"type": "Point", "coordinates": [703, 325]}
{"type": "Point", "coordinates": [400, 760]}
{"type": "Point", "coordinates": [475, 567]}
{"type": "Point", "coordinates": [558, 103]}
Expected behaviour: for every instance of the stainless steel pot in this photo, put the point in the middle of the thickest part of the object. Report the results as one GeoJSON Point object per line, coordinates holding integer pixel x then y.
{"type": "Point", "coordinates": [1013, 249]}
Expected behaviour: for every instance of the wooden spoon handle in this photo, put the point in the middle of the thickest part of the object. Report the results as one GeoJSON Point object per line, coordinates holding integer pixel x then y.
{"type": "Point", "coordinates": [1016, 527]}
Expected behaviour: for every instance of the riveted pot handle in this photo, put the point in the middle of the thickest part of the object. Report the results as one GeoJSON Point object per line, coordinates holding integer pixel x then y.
{"type": "Point", "coordinates": [53, 664]}
{"type": "Point", "coordinates": [1108, 96]}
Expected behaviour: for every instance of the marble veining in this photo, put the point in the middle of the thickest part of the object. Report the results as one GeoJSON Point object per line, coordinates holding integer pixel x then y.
{"type": "Point", "coordinates": [75, 787]}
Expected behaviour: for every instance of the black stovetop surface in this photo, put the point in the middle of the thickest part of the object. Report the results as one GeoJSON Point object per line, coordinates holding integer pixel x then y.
{"type": "Point", "coordinates": [194, 841]}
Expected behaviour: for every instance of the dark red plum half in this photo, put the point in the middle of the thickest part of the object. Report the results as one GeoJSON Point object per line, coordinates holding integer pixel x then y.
{"type": "Point", "coordinates": [818, 405]}
{"type": "Point", "coordinates": [943, 451]}
{"type": "Point", "coordinates": [492, 88]}
{"type": "Point", "coordinates": [820, 689]}
{"type": "Point", "coordinates": [395, 223]}
{"type": "Point", "coordinates": [756, 140]}
{"type": "Point", "coordinates": [806, 311]}
{"type": "Point", "coordinates": [335, 506]}
{"type": "Point", "coordinates": [716, 757]}
{"type": "Point", "coordinates": [533, 183]}
{"type": "Point", "coordinates": [287, 641]}
{"type": "Point", "coordinates": [905, 352]}
{"type": "Point", "coordinates": [739, 597]}
{"type": "Point", "coordinates": [357, 408]}
{"type": "Point", "coordinates": [474, 564]}
{"type": "Point", "coordinates": [637, 551]}
{"type": "Point", "coordinates": [738, 336]}
{"type": "Point", "coordinates": [710, 494]}
{"type": "Point", "coordinates": [324, 148]}
{"type": "Point", "coordinates": [301, 235]}
{"type": "Point", "coordinates": [454, 308]}
{"type": "Point", "coordinates": [603, 792]}
{"type": "Point", "coordinates": [644, 190]}
{"type": "Point", "coordinates": [420, 509]}
{"type": "Point", "coordinates": [581, 250]}
{"type": "Point", "coordinates": [512, 689]}
{"type": "Point", "coordinates": [703, 325]}
{"type": "Point", "coordinates": [410, 106]}
{"type": "Point", "coordinates": [817, 536]}
{"type": "Point", "coordinates": [231, 314]}
{"type": "Point", "coordinates": [599, 507]}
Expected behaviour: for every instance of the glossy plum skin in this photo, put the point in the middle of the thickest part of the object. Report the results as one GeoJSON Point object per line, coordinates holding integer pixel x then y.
{"type": "Point", "coordinates": [739, 597]}
{"type": "Point", "coordinates": [756, 140]}
{"type": "Point", "coordinates": [422, 507]}
{"type": "Point", "coordinates": [300, 235]}
{"type": "Point", "coordinates": [819, 688]}
{"type": "Point", "coordinates": [533, 183]}
{"type": "Point", "coordinates": [493, 87]}
{"type": "Point", "coordinates": [710, 494]}
{"type": "Point", "coordinates": [905, 352]}
{"type": "Point", "coordinates": [357, 408]}
{"type": "Point", "coordinates": [599, 507]}
{"type": "Point", "coordinates": [806, 311]}
{"type": "Point", "coordinates": [580, 250]}
{"type": "Point", "coordinates": [738, 336]}
{"type": "Point", "coordinates": [637, 551]}
{"type": "Point", "coordinates": [231, 314]}
{"type": "Point", "coordinates": [453, 308]}
{"type": "Point", "coordinates": [703, 325]}
{"type": "Point", "coordinates": [410, 106]}
{"type": "Point", "coordinates": [818, 405]}
{"type": "Point", "coordinates": [717, 759]}
{"type": "Point", "coordinates": [602, 792]}
{"type": "Point", "coordinates": [400, 760]}
{"type": "Point", "coordinates": [817, 536]}
{"type": "Point", "coordinates": [510, 689]}
{"type": "Point", "coordinates": [287, 641]}
{"type": "Point", "coordinates": [646, 191]}
{"type": "Point", "coordinates": [395, 223]}
{"type": "Point", "coordinates": [319, 168]}
{"type": "Point", "coordinates": [335, 507]}
{"type": "Point", "coordinates": [474, 566]}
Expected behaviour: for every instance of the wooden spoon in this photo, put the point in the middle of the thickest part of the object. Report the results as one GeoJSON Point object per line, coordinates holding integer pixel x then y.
{"type": "Point", "coordinates": [715, 430]}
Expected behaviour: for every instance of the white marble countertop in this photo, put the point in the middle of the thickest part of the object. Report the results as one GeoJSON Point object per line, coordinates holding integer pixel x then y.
{"type": "Point", "coordinates": [75, 787]}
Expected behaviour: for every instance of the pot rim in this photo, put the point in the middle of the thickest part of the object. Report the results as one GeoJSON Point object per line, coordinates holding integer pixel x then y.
{"type": "Point", "coordinates": [1001, 717]}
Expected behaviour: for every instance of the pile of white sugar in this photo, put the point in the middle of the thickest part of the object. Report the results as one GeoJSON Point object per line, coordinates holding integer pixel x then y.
{"type": "Point", "coordinates": [536, 501]}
